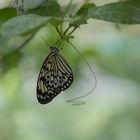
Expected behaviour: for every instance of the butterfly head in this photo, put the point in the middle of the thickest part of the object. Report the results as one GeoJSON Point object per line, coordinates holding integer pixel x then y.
{"type": "Point", "coordinates": [54, 49]}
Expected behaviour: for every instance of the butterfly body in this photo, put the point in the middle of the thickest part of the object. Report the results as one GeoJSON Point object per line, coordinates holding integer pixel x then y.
{"type": "Point", "coordinates": [55, 76]}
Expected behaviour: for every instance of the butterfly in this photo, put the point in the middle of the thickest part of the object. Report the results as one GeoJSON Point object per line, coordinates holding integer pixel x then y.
{"type": "Point", "coordinates": [55, 76]}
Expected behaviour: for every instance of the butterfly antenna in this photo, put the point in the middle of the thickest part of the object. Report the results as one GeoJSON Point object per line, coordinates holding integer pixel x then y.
{"type": "Point", "coordinates": [76, 101]}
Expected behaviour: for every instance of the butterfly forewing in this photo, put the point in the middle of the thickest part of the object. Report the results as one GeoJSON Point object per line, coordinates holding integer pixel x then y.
{"type": "Point", "coordinates": [55, 76]}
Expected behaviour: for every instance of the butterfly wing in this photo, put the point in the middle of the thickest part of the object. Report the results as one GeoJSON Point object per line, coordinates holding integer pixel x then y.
{"type": "Point", "coordinates": [55, 76]}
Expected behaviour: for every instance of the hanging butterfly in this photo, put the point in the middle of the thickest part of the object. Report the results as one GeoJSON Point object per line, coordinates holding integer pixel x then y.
{"type": "Point", "coordinates": [55, 76]}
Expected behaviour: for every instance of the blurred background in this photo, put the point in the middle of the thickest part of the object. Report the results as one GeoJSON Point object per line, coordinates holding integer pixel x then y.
{"type": "Point", "coordinates": [111, 112]}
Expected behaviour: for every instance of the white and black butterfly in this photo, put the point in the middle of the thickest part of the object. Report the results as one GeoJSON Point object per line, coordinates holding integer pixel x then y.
{"type": "Point", "coordinates": [55, 76]}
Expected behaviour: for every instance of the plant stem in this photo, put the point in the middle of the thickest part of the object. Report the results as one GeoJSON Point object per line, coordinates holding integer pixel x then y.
{"type": "Point", "coordinates": [67, 29]}
{"type": "Point", "coordinates": [72, 31]}
{"type": "Point", "coordinates": [57, 29]}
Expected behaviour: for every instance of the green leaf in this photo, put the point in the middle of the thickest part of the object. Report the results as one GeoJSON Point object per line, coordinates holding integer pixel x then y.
{"type": "Point", "coordinates": [81, 15]}
{"type": "Point", "coordinates": [119, 12]}
{"type": "Point", "coordinates": [52, 8]}
{"type": "Point", "coordinates": [84, 9]}
{"type": "Point", "coordinates": [7, 13]}
{"type": "Point", "coordinates": [134, 2]}
{"type": "Point", "coordinates": [56, 21]}
{"type": "Point", "coordinates": [22, 24]}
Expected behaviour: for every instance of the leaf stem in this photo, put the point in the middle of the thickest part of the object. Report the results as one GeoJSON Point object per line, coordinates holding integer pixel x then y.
{"type": "Point", "coordinates": [72, 31]}
{"type": "Point", "coordinates": [57, 29]}
{"type": "Point", "coordinates": [67, 29]}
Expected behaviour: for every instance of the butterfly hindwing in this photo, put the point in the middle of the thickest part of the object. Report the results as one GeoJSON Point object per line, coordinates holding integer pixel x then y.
{"type": "Point", "coordinates": [64, 72]}
{"type": "Point", "coordinates": [55, 76]}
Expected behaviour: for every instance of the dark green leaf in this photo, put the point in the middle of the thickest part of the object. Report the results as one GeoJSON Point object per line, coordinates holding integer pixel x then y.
{"type": "Point", "coordinates": [81, 16]}
{"type": "Point", "coordinates": [120, 12]}
{"type": "Point", "coordinates": [84, 9]}
{"type": "Point", "coordinates": [117, 12]}
{"type": "Point", "coordinates": [39, 11]}
{"type": "Point", "coordinates": [134, 2]}
{"type": "Point", "coordinates": [52, 8]}
{"type": "Point", "coordinates": [22, 24]}
{"type": "Point", "coordinates": [7, 13]}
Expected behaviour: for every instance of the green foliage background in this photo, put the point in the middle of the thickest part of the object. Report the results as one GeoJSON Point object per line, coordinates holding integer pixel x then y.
{"type": "Point", "coordinates": [107, 35]}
